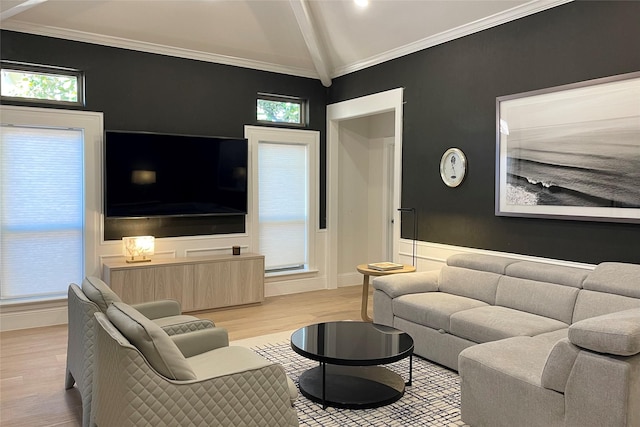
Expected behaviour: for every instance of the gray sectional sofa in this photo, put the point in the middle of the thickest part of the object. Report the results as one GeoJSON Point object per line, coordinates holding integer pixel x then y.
{"type": "Point", "coordinates": [535, 344]}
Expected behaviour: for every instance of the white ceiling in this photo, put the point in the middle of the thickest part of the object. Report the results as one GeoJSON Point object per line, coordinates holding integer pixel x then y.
{"type": "Point", "coordinates": [320, 39]}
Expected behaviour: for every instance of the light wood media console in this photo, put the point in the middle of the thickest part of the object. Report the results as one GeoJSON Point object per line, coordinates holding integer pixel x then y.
{"type": "Point", "coordinates": [199, 283]}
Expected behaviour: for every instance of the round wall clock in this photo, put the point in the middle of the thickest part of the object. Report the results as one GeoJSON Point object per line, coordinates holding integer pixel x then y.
{"type": "Point", "coordinates": [453, 167]}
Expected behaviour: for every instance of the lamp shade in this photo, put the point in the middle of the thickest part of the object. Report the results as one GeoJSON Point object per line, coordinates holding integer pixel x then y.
{"type": "Point", "coordinates": [138, 248]}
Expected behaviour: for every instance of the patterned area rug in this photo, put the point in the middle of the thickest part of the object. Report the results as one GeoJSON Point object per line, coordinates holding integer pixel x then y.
{"type": "Point", "coordinates": [433, 400]}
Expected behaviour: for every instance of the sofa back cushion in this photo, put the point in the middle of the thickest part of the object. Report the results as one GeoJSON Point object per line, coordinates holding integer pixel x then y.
{"type": "Point", "coordinates": [591, 304]}
{"type": "Point", "coordinates": [615, 278]}
{"type": "Point", "coordinates": [616, 333]}
{"type": "Point", "coordinates": [99, 292]}
{"type": "Point", "coordinates": [154, 343]}
{"type": "Point", "coordinates": [481, 262]}
{"type": "Point", "coordinates": [541, 298]}
{"type": "Point", "coordinates": [550, 273]}
{"type": "Point", "coordinates": [480, 285]}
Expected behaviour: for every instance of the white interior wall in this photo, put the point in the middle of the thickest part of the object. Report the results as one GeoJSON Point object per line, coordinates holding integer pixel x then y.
{"type": "Point", "coordinates": [363, 209]}
{"type": "Point", "coordinates": [353, 197]}
{"type": "Point", "coordinates": [377, 212]}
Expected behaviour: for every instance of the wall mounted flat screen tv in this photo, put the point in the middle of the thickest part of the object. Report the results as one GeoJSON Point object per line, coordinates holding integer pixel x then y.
{"type": "Point", "coordinates": [151, 174]}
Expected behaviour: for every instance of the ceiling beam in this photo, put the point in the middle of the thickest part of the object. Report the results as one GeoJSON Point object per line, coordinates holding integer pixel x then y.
{"type": "Point", "coordinates": [310, 36]}
{"type": "Point", "coordinates": [19, 8]}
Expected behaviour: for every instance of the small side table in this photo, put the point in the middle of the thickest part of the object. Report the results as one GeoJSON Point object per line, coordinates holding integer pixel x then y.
{"type": "Point", "coordinates": [366, 271]}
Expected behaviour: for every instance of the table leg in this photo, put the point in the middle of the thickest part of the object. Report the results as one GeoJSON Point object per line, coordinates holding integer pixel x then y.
{"type": "Point", "coordinates": [324, 385]}
{"type": "Point", "coordinates": [365, 299]}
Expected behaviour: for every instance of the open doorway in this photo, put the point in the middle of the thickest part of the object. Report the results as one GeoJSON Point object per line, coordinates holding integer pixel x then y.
{"type": "Point", "coordinates": [363, 177]}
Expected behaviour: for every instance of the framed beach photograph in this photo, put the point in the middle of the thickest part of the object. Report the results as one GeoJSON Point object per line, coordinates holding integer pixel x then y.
{"type": "Point", "coordinates": [571, 152]}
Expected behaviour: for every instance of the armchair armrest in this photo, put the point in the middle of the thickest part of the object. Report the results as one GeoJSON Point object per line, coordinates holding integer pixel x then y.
{"type": "Point", "coordinates": [156, 309]}
{"type": "Point", "coordinates": [395, 285]}
{"type": "Point", "coordinates": [198, 342]}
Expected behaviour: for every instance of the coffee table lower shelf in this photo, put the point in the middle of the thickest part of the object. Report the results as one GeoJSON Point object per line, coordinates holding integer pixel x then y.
{"type": "Point", "coordinates": [351, 387]}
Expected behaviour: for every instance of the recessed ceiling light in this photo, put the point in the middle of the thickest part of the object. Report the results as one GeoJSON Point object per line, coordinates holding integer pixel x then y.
{"type": "Point", "coordinates": [361, 3]}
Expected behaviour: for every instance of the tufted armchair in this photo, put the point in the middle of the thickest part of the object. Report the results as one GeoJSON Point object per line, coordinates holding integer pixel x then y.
{"type": "Point", "coordinates": [145, 377]}
{"type": "Point", "coordinates": [94, 297]}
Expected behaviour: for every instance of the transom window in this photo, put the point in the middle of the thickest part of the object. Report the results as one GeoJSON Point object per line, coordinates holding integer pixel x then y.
{"type": "Point", "coordinates": [279, 109]}
{"type": "Point", "coordinates": [42, 84]}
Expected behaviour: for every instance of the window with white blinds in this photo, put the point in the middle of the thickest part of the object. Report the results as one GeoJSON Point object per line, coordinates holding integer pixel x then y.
{"type": "Point", "coordinates": [41, 211]}
{"type": "Point", "coordinates": [283, 209]}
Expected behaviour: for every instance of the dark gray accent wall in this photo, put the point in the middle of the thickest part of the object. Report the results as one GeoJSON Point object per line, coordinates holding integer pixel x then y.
{"type": "Point", "coordinates": [450, 94]}
{"type": "Point", "coordinates": [149, 92]}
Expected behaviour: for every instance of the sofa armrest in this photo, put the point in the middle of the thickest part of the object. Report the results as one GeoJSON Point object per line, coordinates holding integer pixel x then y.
{"type": "Point", "coordinates": [395, 285]}
{"type": "Point", "coordinates": [156, 309]}
{"type": "Point", "coordinates": [559, 365]}
{"type": "Point", "coordinates": [602, 390]}
{"type": "Point", "coordinates": [615, 333]}
{"type": "Point", "coordinates": [198, 342]}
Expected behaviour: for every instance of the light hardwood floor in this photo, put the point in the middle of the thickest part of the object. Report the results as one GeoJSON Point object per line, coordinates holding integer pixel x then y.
{"type": "Point", "coordinates": [33, 361]}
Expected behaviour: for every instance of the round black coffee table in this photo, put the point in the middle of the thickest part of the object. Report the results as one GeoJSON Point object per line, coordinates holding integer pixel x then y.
{"type": "Point", "coordinates": [349, 354]}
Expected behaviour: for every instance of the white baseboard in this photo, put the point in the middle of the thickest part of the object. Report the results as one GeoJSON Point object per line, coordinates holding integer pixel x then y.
{"type": "Point", "coordinates": [35, 315]}
{"type": "Point", "coordinates": [294, 286]}
{"type": "Point", "coordinates": [349, 279]}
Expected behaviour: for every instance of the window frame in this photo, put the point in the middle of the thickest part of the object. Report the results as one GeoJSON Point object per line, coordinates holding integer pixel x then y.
{"type": "Point", "coordinates": [48, 70]}
{"type": "Point", "coordinates": [303, 103]}
{"type": "Point", "coordinates": [310, 138]}
{"type": "Point", "coordinates": [92, 124]}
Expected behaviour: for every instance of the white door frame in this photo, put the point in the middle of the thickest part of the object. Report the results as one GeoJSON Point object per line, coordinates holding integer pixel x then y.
{"type": "Point", "coordinates": [382, 102]}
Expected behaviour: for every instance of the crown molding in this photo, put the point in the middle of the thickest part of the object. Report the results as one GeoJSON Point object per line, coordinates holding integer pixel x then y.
{"type": "Point", "coordinates": [526, 9]}
{"type": "Point", "coordinates": [123, 43]}
{"type": "Point", "coordinates": [518, 12]}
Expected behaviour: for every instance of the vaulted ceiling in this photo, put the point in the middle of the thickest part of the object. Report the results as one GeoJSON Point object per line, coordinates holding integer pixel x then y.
{"type": "Point", "coordinates": [320, 39]}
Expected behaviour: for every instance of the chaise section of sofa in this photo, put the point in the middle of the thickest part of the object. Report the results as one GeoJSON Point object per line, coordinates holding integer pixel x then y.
{"type": "Point", "coordinates": [589, 379]}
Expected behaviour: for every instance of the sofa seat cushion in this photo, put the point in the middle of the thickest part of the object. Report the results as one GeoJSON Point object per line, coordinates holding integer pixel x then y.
{"type": "Point", "coordinates": [231, 360]}
{"type": "Point", "coordinates": [550, 338]}
{"type": "Point", "coordinates": [615, 333]}
{"type": "Point", "coordinates": [432, 309]}
{"type": "Point", "coordinates": [520, 357]}
{"type": "Point", "coordinates": [492, 323]}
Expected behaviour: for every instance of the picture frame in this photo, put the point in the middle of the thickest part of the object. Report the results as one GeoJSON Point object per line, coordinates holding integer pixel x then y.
{"type": "Point", "coordinates": [570, 152]}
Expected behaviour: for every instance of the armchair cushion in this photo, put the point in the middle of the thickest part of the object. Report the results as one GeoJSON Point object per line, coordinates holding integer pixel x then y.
{"type": "Point", "coordinates": [616, 333]}
{"type": "Point", "coordinates": [236, 359]}
{"type": "Point", "coordinates": [99, 292]}
{"type": "Point", "coordinates": [161, 308]}
{"type": "Point", "coordinates": [201, 341]}
{"type": "Point", "coordinates": [156, 346]}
